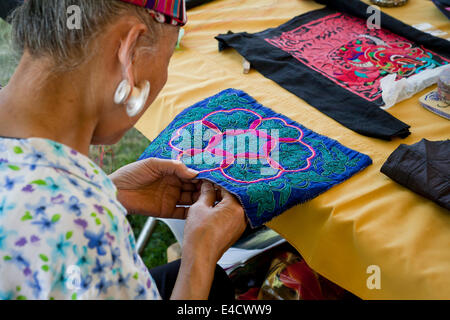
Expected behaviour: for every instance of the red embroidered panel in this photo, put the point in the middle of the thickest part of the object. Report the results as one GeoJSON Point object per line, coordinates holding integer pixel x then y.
{"type": "Point", "coordinates": [343, 49]}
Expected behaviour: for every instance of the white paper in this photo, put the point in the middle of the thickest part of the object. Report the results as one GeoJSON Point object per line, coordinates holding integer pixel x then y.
{"type": "Point", "coordinates": [396, 91]}
{"type": "Point", "coordinates": [423, 26]}
{"type": "Point", "coordinates": [437, 33]}
{"type": "Point", "coordinates": [235, 257]}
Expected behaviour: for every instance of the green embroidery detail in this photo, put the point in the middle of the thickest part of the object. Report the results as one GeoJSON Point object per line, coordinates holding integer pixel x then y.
{"type": "Point", "coordinates": [21, 298]}
{"type": "Point", "coordinates": [45, 268]}
{"type": "Point", "coordinates": [247, 172]}
{"type": "Point", "coordinates": [14, 168]}
{"type": "Point", "coordinates": [56, 218]}
{"type": "Point", "coordinates": [74, 296]}
{"type": "Point", "coordinates": [7, 258]}
{"type": "Point", "coordinates": [334, 162]}
{"type": "Point", "coordinates": [136, 276]}
{"type": "Point", "coordinates": [69, 235]}
{"type": "Point", "coordinates": [283, 188]}
{"type": "Point", "coordinates": [261, 195]}
{"type": "Point", "coordinates": [236, 120]}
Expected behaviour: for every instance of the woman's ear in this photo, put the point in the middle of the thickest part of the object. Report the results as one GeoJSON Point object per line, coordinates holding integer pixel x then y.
{"type": "Point", "coordinates": [128, 48]}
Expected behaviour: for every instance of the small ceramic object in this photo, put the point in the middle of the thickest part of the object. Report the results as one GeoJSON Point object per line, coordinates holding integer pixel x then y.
{"type": "Point", "coordinates": [389, 3]}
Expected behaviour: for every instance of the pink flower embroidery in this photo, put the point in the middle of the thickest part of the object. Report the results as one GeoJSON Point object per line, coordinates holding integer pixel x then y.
{"type": "Point", "coordinates": [225, 158]}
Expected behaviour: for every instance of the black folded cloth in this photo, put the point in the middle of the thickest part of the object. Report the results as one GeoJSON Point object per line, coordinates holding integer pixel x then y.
{"type": "Point", "coordinates": [424, 168]}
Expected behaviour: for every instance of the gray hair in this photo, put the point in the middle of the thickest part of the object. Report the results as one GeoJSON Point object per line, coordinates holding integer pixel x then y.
{"type": "Point", "coordinates": [40, 28]}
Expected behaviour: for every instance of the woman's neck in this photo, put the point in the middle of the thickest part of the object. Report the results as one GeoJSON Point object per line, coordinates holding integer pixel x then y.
{"type": "Point", "coordinates": [38, 104]}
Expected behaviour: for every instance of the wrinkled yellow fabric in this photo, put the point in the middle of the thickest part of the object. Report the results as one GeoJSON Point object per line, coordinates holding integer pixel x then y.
{"type": "Point", "coordinates": [368, 219]}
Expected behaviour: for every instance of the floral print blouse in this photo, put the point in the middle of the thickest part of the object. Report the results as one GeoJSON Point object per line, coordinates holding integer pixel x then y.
{"type": "Point", "coordinates": [63, 233]}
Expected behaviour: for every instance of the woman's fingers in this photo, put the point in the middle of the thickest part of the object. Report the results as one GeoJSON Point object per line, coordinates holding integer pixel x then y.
{"type": "Point", "coordinates": [189, 187]}
{"type": "Point", "coordinates": [228, 199]}
{"type": "Point", "coordinates": [186, 198]}
{"type": "Point", "coordinates": [183, 172]}
{"type": "Point", "coordinates": [211, 195]}
{"type": "Point", "coordinates": [207, 194]}
{"type": "Point", "coordinates": [165, 167]}
{"type": "Point", "coordinates": [180, 213]}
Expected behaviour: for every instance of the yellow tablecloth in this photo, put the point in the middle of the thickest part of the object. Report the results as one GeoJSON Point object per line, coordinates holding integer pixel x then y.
{"type": "Point", "coordinates": [367, 220]}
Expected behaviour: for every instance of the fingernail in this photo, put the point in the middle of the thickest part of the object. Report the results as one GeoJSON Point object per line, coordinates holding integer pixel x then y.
{"type": "Point", "coordinates": [193, 171]}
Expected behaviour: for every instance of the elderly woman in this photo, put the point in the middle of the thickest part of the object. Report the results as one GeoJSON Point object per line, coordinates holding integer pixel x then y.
{"type": "Point", "coordinates": [63, 227]}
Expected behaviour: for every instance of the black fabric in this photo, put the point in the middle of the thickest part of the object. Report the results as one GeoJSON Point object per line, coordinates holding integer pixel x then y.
{"type": "Point", "coordinates": [442, 7]}
{"type": "Point", "coordinates": [347, 108]}
{"type": "Point", "coordinates": [424, 168]}
{"type": "Point", "coordinates": [7, 6]}
{"type": "Point", "coordinates": [165, 276]}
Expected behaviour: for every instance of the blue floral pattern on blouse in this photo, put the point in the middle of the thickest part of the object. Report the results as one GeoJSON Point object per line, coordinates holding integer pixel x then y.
{"type": "Point", "coordinates": [63, 233]}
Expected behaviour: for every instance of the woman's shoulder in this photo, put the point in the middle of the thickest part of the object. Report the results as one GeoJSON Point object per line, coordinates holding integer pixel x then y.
{"type": "Point", "coordinates": [45, 199]}
{"type": "Point", "coordinates": [40, 176]}
{"type": "Point", "coordinates": [56, 222]}
{"type": "Point", "coordinates": [36, 157]}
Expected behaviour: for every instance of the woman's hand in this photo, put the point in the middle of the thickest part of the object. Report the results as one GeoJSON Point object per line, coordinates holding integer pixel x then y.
{"type": "Point", "coordinates": [209, 231]}
{"type": "Point", "coordinates": [213, 228]}
{"type": "Point", "coordinates": [154, 187]}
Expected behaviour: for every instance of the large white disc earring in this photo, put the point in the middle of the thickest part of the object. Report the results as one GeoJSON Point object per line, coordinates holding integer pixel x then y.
{"type": "Point", "coordinates": [123, 92]}
{"type": "Point", "coordinates": [138, 99]}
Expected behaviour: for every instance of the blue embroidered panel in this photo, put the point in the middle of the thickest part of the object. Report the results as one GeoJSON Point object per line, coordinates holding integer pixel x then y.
{"type": "Point", "coordinates": [268, 161]}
